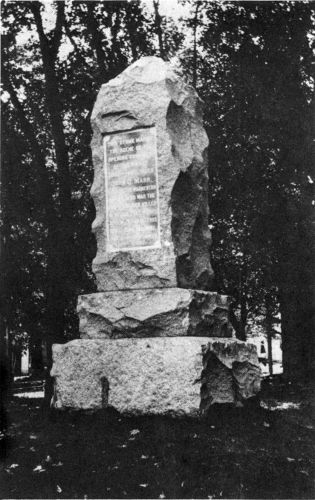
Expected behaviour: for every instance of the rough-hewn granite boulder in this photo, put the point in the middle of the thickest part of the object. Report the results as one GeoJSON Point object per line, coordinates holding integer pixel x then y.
{"type": "Point", "coordinates": [231, 373]}
{"type": "Point", "coordinates": [154, 313]}
{"type": "Point", "coordinates": [149, 93]}
{"type": "Point", "coordinates": [154, 375]}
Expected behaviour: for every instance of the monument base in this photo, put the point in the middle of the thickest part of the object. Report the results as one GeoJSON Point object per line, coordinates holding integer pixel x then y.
{"type": "Point", "coordinates": [157, 375]}
{"type": "Point", "coordinates": [154, 312]}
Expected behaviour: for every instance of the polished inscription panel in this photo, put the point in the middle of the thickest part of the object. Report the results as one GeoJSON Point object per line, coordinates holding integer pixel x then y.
{"type": "Point", "coordinates": [132, 200]}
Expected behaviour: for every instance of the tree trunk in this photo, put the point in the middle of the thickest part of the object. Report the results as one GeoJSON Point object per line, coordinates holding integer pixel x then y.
{"type": "Point", "coordinates": [96, 42]}
{"type": "Point", "coordinates": [244, 313]}
{"type": "Point", "coordinates": [6, 375]}
{"type": "Point", "coordinates": [36, 358]}
{"type": "Point", "coordinates": [131, 27]}
{"type": "Point", "coordinates": [158, 28]}
{"type": "Point", "coordinates": [239, 325]}
{"type": "Point", "coordinates": [195, 50]}
{"type": "Point", "coordinates": [297, 292]}
{"type": "Point", "coordinates": [297, 321]}
{"type": "Point", "coordinates": [269, 329]}
{"type": "Point", "coordinates": [49, 383]}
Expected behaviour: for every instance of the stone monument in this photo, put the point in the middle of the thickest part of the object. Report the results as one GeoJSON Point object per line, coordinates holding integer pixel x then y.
{"type": "Point", "coordinates": [153, 340]}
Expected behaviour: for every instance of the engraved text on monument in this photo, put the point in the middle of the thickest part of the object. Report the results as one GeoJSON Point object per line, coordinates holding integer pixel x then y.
{"type": "Point", "coordinates": [132, 205]}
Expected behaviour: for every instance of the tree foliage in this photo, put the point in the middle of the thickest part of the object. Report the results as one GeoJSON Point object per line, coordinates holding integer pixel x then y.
{"type": "Point", "coordinates": [255, 75]}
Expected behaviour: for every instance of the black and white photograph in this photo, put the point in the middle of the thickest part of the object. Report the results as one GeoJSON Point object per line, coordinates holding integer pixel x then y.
{"type": "Point", "coordinates": [157, 249]}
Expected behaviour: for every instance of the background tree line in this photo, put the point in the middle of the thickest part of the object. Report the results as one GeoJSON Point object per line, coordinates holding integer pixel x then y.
{"type": "Point", "coordinates": [251, 62]}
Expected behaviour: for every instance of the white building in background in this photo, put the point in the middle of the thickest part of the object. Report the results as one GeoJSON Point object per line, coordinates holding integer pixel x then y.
{"type": "Point", "coordinates": [25, 362]}
{"type": "Point", "coordinates": [262, 347]}
{"type": "Point", "coordinates": [261, 343]}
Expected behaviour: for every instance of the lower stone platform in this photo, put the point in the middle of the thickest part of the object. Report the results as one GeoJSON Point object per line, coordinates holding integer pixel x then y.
{"type": "Point", "coordinates": [157, 375]}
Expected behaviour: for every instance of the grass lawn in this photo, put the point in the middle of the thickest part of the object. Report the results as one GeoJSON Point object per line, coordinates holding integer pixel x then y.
{"type": "Point", "coordinates": [233, 453]}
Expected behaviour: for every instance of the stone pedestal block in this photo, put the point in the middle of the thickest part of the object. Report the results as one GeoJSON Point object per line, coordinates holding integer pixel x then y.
{"type": "Point", "coordinates": [157, 312]}
{"type": "Point", "coordinates": [155, 375]}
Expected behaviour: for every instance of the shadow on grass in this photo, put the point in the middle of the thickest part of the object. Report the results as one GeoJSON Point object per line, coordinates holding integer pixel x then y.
{"type": "Point", "coordinates": [231, 453]}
